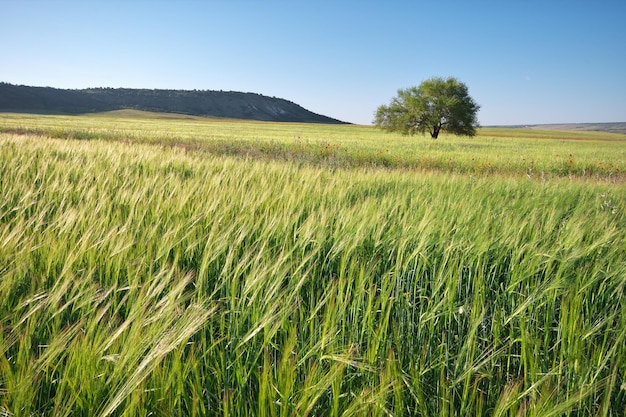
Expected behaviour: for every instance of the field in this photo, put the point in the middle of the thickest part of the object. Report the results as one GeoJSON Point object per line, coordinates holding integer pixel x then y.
{"type": "Point", "coordinates": [184, 266]}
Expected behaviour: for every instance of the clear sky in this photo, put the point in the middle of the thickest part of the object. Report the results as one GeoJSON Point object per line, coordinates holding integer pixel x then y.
{"type": "Point", "coordinates": [524, 61]}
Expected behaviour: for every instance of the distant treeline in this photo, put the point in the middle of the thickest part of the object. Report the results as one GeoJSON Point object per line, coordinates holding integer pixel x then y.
{"type": "Point", "coordinates": [226, 104]}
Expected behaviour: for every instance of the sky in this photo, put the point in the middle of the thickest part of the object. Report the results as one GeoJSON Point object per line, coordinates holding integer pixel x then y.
{"type": "Point", "coordinates": [523, 61]}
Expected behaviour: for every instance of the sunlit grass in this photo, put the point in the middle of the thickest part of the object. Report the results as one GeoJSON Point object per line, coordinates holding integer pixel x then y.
{"type": "Point", "coordinates": [166, 280]}
{"type": "Point", "coordinates": [535, 154]}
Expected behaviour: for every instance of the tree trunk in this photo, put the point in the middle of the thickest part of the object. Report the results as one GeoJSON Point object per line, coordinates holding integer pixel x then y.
{"type": "Point", "coordinates": [435, 132]}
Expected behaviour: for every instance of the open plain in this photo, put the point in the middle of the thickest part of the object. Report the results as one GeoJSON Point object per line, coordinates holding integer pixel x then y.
{"type": "Point", "coordinates": [154, 265]}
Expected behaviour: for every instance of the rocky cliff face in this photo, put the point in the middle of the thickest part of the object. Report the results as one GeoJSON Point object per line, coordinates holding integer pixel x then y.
{"type": "Point", "coordinates": [227, 104]}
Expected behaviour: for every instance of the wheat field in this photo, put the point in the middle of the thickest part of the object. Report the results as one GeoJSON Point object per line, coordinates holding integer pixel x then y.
{"type": "Point", "coordinates": [191, 267]}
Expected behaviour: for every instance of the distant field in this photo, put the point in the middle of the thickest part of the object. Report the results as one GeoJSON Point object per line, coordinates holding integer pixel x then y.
{"type": "Point", "coordinates": [591, 127]}
{"type": "Point", "coordinates": [517, 152]}
{"type": "Point", "coordinates": [166, 266]}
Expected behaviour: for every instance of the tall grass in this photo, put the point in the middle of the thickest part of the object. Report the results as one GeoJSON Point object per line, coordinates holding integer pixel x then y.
{"type": "Point", "coordinates": [140, 280]}
{"type": "Point", "coordinates": [537, 155]}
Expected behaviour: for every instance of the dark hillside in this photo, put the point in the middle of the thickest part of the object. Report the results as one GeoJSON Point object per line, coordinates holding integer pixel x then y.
{"type": "Point", "coordinates": [227, 104]}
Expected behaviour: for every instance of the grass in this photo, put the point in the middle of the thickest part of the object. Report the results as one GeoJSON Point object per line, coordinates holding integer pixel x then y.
{"type": "Point", "coordinates": [142, 275]}
{"type": "Point", "coordinates": [532, 153]}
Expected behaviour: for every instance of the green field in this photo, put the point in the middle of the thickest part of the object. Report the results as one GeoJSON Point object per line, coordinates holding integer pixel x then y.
{"type": "Point", "coordinates": [173, 266]}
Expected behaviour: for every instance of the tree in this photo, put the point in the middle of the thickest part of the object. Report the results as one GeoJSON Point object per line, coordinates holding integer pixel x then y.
{"type": "Point", "coordinates": [437, 105]}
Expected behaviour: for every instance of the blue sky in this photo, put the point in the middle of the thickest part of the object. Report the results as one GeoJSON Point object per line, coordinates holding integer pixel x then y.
{"type": "Point", "coordinates": [524, 61]}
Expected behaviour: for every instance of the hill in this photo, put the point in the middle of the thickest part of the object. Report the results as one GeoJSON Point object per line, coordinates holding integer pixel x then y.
{"type": "Point", "coordinates": [224, 104]}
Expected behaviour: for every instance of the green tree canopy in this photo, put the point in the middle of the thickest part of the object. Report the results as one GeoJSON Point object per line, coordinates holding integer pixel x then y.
{"type": "Point", "coordinates": [437, 105]}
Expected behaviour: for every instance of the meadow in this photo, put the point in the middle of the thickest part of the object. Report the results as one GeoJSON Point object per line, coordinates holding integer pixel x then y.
{"type": "Point", "coordinates": [185, 266]}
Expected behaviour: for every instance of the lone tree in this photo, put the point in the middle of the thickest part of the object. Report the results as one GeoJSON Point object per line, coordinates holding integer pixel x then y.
{"type": "Point", "coordinates": [437, 105]}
